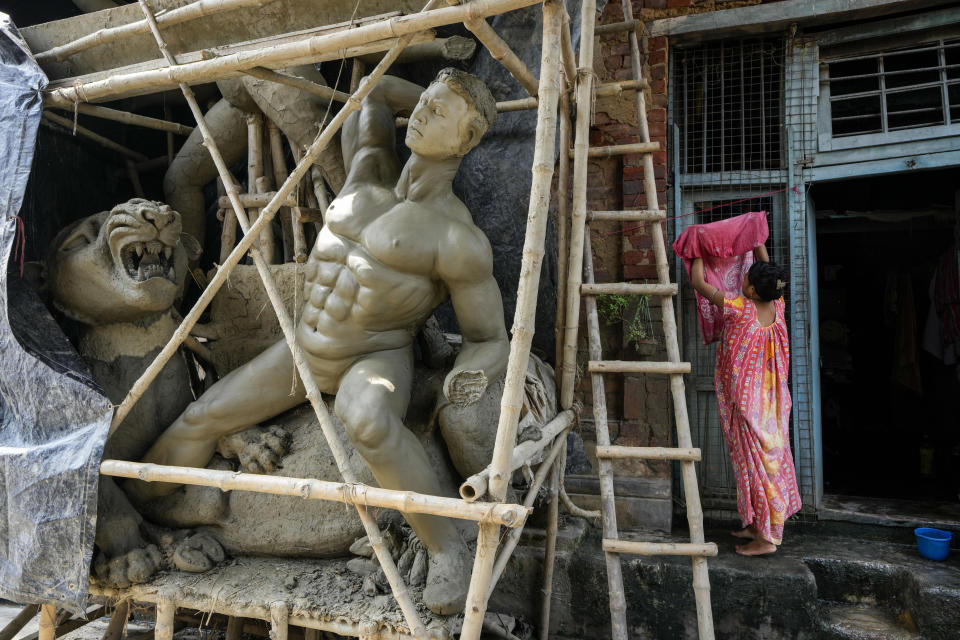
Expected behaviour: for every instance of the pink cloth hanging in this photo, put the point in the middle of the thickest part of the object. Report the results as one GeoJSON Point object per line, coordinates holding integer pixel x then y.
{"type": "Point", "coordinates": [726, 247]}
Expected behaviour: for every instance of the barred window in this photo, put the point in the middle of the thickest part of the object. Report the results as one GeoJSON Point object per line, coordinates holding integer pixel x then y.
{"type": "Point", "coordinates": [892, 90]}
{"type": "Point", "coordinates": [727, 105]}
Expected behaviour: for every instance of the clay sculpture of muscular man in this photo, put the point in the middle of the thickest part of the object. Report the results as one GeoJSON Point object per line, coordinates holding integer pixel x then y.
{"type": "Point", "coordinates": [396, 243]}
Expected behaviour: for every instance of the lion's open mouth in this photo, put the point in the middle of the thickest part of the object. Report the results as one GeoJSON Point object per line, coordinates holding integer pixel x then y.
{"type": "Point", "coordinates": [145, 260]}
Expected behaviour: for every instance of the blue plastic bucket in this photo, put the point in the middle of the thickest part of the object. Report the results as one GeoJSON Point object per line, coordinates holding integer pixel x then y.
{"type": "Point", "coordinates": [933, 544]}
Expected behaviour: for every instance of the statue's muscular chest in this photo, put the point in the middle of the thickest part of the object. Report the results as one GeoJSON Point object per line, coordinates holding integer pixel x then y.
{"type": "Point", "coordinates": [372, 221]}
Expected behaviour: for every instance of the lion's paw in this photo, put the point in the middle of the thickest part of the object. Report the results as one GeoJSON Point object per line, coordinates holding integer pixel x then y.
{"type": "Point", "coordinates": [197, 553]}
{"type": "Point", "coordinates": [258, 449]}
{"type": "Point", "coordinates": [133, 567]}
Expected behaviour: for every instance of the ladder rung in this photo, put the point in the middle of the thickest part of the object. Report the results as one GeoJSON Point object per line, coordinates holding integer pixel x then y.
{"type": "Point", "coordinates": [660, 548]}
{"type": "Point", "coordinates": [616, 27]}
{"type": "Point", "coordinates": [626, 288]}
{"type": "Point", "coordinates": [605, 89]}
{"type": "Point", "coordinates": [633, 215]}
{"type": "Point", "coordinates": [648, 453]}
{"type": "Point", "coordinates": [621, 149]}
{"type": "Point", "coordinates": [638, 366]}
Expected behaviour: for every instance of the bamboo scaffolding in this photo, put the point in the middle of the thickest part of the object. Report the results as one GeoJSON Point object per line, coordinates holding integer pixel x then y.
{"type": "Point", "coordinates": [189, 12]}
{"type": "Point", "coordinates": [312, 392]}
{"type": "Point", "coordinates": [508, 515]}
{"type": "Point", "coordinates": [660, 548]}
{"type": "Point", "coordinates": [513, 536]}
{"type": "Point", "coordinates": [64, 624]}
{"type": "Point", "coordinates": [621, 149]}
{"type": "Point", "coordinates": [633, 366]}
{"type": "Point", "coordinates": [134, 119]}
{"type": "Point", "coordinates": [294, 242]}
{"type": "Point", "coordinates": [255, 172]}
{"type": "Point", "coordinates": [648, 453]}
{"type": "Point", "coordinates": [511, 402]}
{"type": "Point", "coordinates": [166, 611]}
{"type": "Point", "coordinates": [118, 621]}
{"type": "Point", "coordinates": [550, 549]}
{"type": "Point", "coordinates": [310, 49]}
{"type": "Point", "coordinates": [234, 628]}
{"type": "Point", "coordinates": [279, 621]}
{"type": "Point", "coordinates": [262, 612]}
{"type": "Point", "coordinates": [48, 622]}
{"type": "Point", "coordinates": [585, 80]}
{"type": "Point", "coordinates": [103, 141]}
{"type": "Point", "coordinates": [563, 226]}
{"type": "Point", "coordinates": [298, 83]}
{"type": "Point", "coordinates": [628, 288]}
{"type": "Point", "coordinates": [566, 52]}
{"type": "Point", "coordinates": [605, 89]}
{"type": "Point", "coordinates": [12, 628]}
{"type": "Point", "coordinates": [500, 51]}
{"type": "Point", "coordinates": [475, 487]}
{"type": "Point", "coordinates": [256, 200]}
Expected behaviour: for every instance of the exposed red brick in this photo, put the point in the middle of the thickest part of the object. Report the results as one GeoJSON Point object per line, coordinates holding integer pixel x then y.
{"type": "Point", "coordinates": [658, 71]}
{"type": "Point", "coordinates": [672, 4]}
{"type": "Point", "coordinates": [657, 115]}
{"type": "Point", "coordinates": [658, 57]}
{"type": "Point", "coordinates": [657, 42]}
{"type": "Point", "coordinates": [639, 271]}
{"type": "Point", "coordinates": [658, 130]}
{"type": "Point", "coordinates": [657, 85]}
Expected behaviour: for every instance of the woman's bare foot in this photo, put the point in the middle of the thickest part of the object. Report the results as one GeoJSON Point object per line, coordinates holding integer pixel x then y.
{"type": "Point", "coordinates": [758, 547]}
{"type": "Point", "coordinates": [746, 533]}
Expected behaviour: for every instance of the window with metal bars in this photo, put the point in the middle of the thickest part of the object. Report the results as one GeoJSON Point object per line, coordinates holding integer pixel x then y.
{"type": "Point", "coordinates": [728, 106]}
{"type": "Point", "coordinates": [897, 89]}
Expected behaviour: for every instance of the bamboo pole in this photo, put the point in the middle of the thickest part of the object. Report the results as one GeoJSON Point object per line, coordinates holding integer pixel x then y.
{"type": "Point", "coordinates": [648, 453]}
{"type": "Point", "coordinates": [103, 141]}
{"type": "Point", "coordinates": [297, 82]}
{"type": "Point", "coordinates": [279, 621]}
{"type": "Point", "coordinates": [452, 49]}
{"type": "Point", "coordinates": [256, 200]}
{"type": "Point", "coordinates": [566, 52]}
{"type": "Point", "coordinates": [254, 173]}
{"type": "Point", "coordinates": [192, 11]}
{"type": "Point", "coordinates": [550, 549]}
{"type": "Point", "coordinates": [277, 55]}
{"type": "Point", "coordinates": [563, 227]}
{"type": "Point", "coordinates": [585, 80]}
{"type": "Point", "coordinates": [474, 487]}
{"type": "Point", "coordinates": [166, 610]}
{"type": "Point", "coordinates": [616, 27]}
{"type": "Point", "coordinates": [48, 622]}
{"type": "Point", "coordinates": [512, 401]}
{"type": "Point", "coordinates": [293, 246]}
{"type": "Point", "coordinates": [19, 621]}
{"type": "Point", "coordinates": [508, 515]}
{"type": "Point", "coordinates": [513, 536]}
{"type": "Point", "coordinates": [357, 70]}
{"type": "Point", "coordinates": [633, 366]}
{"type": "Point", "coordinates": [389, 567]}
{"type": "Point", "coordinates": [618, 604]}
{"type": "Point", "coordinates": [167, 114]}
{"type": "Point", "coordinates": [134, 178]}
{"type": "Point", "coordinates": [628, 288]}
{"type": "Point", "coordinates": [234, 628]}
{"type": "Point", "coordinates": [127, 117]}
{"type": "Point", "coordinates": [64, 624]}
{"type": "Point", "coordinates": [500, 51]}
{"type": "Point", "coordinates": [660, 548]}
{"type": "Point", "coordinates": [118, 621]}
{"type": "Point", "coordinates": [621, 149]}
{"type": "Point", "coordinates": [605, 89]}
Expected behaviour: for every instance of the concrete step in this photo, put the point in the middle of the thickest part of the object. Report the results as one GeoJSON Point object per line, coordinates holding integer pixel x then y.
{"type": "Point", "coordinates": [843, 621]}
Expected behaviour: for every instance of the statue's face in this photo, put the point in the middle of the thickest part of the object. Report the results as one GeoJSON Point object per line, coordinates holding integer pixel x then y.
{"type": "Point", "coordinates": [440, 125]}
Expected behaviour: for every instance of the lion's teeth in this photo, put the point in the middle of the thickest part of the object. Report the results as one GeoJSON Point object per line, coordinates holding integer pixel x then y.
{"type": "Point", "coordinates": [167, 252]}
{"type": "Point", "coordinates": [170, 274]}
{"type": "Point", "coordinates": [139, 249]}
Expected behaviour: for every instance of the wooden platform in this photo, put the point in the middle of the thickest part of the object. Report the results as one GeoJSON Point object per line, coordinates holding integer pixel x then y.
{"type": "Point", "coordinates": [319, 594]}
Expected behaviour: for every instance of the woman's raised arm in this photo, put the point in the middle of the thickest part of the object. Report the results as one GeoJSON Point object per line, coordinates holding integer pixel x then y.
{"type": "Point", "coordinates": [708, 291]}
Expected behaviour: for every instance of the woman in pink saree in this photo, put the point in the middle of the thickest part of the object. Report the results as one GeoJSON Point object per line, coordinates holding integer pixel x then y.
{"type": "Point", "coordinates": [753, 362]}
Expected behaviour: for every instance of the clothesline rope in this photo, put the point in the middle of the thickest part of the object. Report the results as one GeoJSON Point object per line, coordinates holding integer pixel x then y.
{"type": "Point", "coordinates": [795, 189]}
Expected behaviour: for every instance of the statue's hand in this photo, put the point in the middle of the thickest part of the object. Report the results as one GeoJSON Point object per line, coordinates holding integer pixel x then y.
{"type": "Point", "coordinates": [463, 388]}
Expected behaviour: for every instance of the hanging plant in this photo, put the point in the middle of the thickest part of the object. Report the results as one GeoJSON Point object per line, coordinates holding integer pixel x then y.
{"type": "Point", "coordinates": [633, 312]}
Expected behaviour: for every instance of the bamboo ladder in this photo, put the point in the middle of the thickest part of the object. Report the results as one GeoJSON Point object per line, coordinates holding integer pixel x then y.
{"type": "Point", "coordinates": [581, 261]}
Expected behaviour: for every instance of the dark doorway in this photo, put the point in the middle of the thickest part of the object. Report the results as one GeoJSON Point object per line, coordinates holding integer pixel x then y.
{"type": "Point", "coordinates": [890, 397]}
